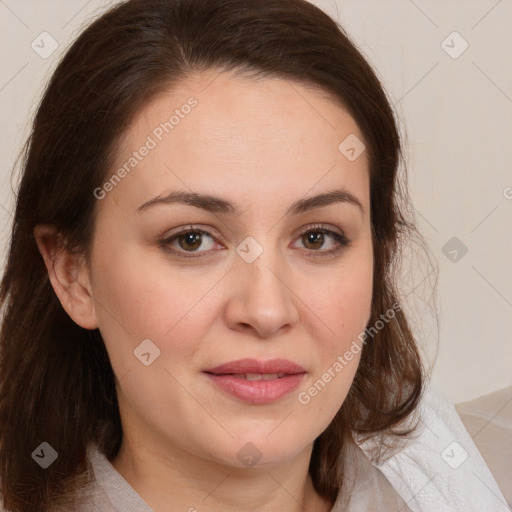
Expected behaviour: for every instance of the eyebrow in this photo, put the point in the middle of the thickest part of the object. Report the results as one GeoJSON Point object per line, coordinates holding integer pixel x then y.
{"type": "Point", "coordinates": [215, 204]}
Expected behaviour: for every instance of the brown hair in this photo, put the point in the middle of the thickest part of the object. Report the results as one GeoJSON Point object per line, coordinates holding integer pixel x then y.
{"type": "Point", "coordinates": [56, 381]}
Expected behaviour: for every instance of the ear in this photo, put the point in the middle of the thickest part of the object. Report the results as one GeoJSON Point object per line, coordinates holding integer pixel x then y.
{"type": "Point", "coordinates": [68, 275]}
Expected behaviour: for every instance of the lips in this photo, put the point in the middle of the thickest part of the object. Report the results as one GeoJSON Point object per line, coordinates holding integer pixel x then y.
{"type": "Point", "coordinates": [257, 382]}
{"type": "Point", "coordinates": [253, 368]}
{"type": "Point", "coordinates": [258, 376]}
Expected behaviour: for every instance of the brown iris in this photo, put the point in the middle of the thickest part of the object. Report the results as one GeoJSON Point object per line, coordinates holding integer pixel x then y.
{"type": "Point", "coordinates": [315, 239]}
{"type": "Point", "coordinates": [190, 241]}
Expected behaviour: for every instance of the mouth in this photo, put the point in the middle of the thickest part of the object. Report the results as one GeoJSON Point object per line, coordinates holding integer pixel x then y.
{"type": "Point", "coordinates": [257, 382]}
{"type": "Point", "coordinates": [254, 368]}
{"type": "Point", "coordinates": [255, 376]}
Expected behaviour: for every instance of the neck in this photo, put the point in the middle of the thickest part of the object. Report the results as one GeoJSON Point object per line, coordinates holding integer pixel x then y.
{"type": "Point", "coordinates": [169, 481]}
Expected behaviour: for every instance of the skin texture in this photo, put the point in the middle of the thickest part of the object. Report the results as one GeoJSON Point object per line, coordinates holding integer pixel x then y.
{"type": "Point", "coordinates": [262, 145]}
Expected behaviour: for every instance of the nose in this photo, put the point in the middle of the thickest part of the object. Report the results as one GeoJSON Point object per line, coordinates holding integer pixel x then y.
{"type": "Point", "coordinates": [261, 298]}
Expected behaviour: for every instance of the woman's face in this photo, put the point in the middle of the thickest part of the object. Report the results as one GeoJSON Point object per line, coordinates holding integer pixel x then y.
{"type": "Point", "coordinates": [252, 276]}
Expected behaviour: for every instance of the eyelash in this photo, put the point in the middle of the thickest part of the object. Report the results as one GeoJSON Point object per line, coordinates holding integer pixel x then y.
{"type": "Point", "coordinates": [341, 241]}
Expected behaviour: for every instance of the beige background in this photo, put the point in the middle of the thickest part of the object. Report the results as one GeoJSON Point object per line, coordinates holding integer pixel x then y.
{"type": "Point", "coordinates": [457, 113]}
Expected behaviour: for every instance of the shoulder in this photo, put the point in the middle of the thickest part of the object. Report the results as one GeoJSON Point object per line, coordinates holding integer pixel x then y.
{"type": "Point", "coordinates": [488, 420]}
{"type": "Point", "coordinates": [438, 466]}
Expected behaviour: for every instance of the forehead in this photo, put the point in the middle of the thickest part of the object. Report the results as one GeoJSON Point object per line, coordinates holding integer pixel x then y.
{"type": "Point", "coordinates": [229, 134]}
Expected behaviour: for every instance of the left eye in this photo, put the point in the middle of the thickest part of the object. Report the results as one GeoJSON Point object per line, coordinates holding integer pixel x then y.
{"type": "Point", "coordinates": [315, 239]}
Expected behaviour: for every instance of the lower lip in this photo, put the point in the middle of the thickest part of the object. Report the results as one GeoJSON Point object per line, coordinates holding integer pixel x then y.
{"type": "Point", "coordinates": [257, 391]}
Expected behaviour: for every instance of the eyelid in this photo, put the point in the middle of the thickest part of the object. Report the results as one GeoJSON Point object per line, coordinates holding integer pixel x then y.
{"type": "Point", "coordinates": [166, 235]}
{"type": "Point", "coordinates": [319, 227]}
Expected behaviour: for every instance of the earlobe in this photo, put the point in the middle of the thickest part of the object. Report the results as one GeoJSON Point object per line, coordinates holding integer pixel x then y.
{"type": "Point", "coordinates": [68, 275]}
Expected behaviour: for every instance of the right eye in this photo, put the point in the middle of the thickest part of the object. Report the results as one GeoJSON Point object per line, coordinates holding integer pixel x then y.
{"type": "Point", "coordinates": [189, 241]}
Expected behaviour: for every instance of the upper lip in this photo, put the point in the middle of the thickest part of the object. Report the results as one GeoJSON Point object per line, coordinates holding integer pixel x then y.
{"type": "Point", "coordinates": [256, 366]}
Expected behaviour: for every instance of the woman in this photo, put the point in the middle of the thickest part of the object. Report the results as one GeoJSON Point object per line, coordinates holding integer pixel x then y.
{"type": "Point", "coordinates": [200, 307]}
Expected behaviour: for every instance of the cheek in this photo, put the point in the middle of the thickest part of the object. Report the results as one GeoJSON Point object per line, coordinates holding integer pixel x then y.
{"type": "Point", "coordinates": [140, 298]}
{"type": "Point", "coordinates": [342, 305]}
{"type": "Point", "coordinates": [345, 306]}
{"type": "Point", "coordinates": [341, 300]}
{"type": "Point", "coordinates": [350, 307]}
